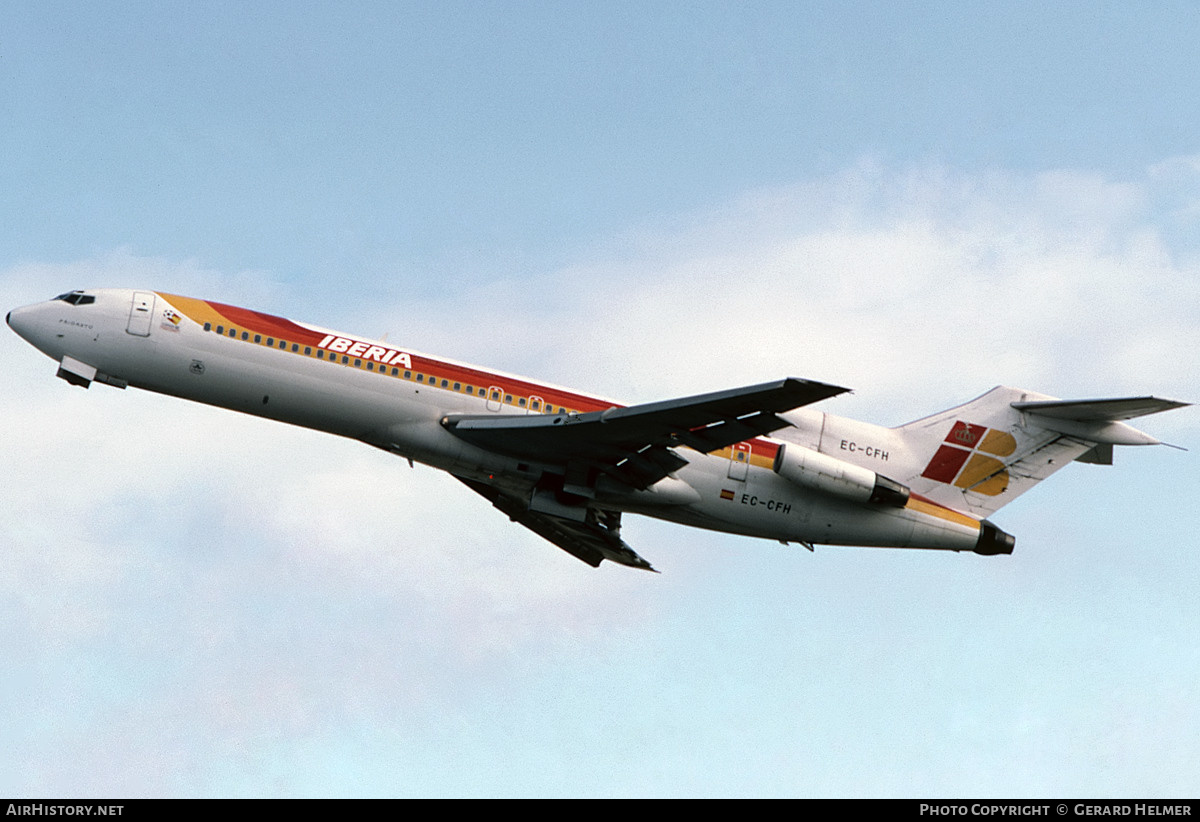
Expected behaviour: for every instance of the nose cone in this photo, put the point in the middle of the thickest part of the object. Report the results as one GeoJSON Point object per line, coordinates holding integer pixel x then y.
{"type": "Point", "coordinates": [21, 321]}
{"type": "Point", "coordinates": [29, 321]}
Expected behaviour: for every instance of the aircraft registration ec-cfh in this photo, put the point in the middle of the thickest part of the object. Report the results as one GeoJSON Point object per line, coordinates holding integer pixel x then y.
{"type": "Point", "coordinates": [757, 461]}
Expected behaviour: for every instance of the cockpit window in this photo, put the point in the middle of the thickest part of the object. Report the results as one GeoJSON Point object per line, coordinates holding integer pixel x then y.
{"type": "Point", "coordinates": [76, 298]}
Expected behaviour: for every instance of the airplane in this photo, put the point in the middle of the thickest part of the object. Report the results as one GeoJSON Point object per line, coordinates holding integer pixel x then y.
{"type": "Point", "coordinates": [756, 461]}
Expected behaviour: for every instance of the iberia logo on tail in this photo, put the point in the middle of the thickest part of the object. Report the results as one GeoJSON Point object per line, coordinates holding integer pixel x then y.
{"type": "Point", "coordinates": [967, 459]}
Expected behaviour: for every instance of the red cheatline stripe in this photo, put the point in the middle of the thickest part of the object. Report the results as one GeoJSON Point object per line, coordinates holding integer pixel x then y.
{"type": "Point", "coordinates": [267, 324]}
{"type": "Point", "coordinates": [763, 448]}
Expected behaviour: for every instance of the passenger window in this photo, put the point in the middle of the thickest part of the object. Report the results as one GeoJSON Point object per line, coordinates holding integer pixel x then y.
{"type": "Point", "coordinates": [258, 338]}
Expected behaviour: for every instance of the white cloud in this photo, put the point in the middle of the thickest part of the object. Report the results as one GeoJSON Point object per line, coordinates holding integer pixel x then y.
{"type": "Point", "coordinates": [267, 584]}
{"type": "Point", "coordinates": [916, 288]}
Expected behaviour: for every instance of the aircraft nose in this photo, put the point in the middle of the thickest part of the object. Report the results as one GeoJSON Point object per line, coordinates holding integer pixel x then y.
{"type": "Point", "coordinates": [18, 320]}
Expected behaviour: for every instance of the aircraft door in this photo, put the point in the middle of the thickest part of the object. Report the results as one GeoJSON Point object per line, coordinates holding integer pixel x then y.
{"type": "Point", "coordinates": [495, 398]}
{"type": "Point", "coordinates": [739, 461]}
{"type": "Point", "coordinates": [534, 406]}
{"type": "Point", "coordinates": [141, 314]}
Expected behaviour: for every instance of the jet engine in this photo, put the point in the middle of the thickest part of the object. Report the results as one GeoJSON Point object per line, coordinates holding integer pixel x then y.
{"type": "Point", "coordinates": [821, 472]}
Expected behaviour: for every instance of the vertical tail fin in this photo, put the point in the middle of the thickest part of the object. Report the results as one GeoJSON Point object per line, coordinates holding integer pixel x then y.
{"type": "Point", "coordinates": [981, 456]}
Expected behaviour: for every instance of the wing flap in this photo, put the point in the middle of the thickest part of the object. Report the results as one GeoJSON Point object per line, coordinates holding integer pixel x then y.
{"type": "Point", "coordinates": [593, 540]}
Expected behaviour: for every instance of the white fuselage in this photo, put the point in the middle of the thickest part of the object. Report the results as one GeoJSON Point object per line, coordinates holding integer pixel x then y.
{"type": "Point", "coordinates": [396, 399]}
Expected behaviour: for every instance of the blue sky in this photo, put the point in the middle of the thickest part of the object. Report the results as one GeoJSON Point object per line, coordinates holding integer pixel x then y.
{"type": "Point", "coordinates": [643, 200]}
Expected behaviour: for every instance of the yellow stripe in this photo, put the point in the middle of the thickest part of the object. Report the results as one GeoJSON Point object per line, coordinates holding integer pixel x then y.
{"type": "Point", "coordinates": [198, 311]}
{"type": "Point", "coordinates": [756, 459]}
{"type": "Point", "coordinates": [941, 512]}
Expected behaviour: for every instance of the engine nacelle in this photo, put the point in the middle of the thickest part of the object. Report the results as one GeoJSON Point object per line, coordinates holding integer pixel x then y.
{"type": "Point", "coordinates": [821, 472]}
{"type": "Point", "coordinates": [993, 541]}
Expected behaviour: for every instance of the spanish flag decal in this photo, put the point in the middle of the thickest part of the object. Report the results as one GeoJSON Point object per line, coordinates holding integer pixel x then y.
{"type": "Point", "coordinates": [726, 494]}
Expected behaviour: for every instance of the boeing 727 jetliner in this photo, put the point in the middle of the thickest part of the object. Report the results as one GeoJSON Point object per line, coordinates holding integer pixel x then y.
{"type": "Point", "coordinates": [756, 461]}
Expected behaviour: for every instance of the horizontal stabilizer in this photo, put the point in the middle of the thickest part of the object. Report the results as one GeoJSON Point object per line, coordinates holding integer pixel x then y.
{"type": "Point", "coordinates": [1098, 421]}
{"type": "Point", "coordinates": [1126, 408]}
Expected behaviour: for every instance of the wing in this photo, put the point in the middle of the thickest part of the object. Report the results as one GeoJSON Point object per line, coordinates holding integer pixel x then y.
{"type": "Point", "coordinates": [635, 444]}
{"type": "Point", "coordinates": [593, 540]}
